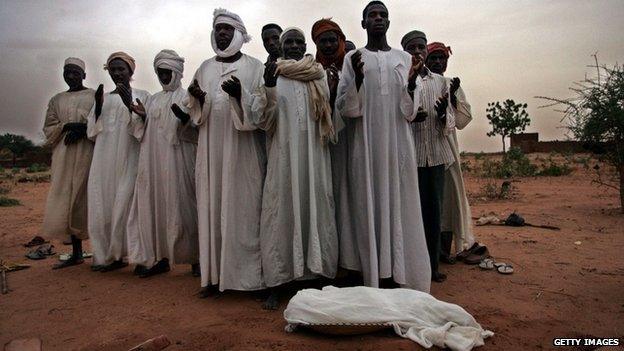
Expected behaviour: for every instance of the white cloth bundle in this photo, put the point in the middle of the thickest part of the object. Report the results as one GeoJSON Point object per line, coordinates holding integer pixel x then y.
{"type": "Point", "coordinates": [413, 314]}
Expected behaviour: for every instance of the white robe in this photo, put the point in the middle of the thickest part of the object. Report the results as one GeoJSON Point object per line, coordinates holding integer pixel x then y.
{"type": "Point", "coordinates": [163, 216]}
{"type": "Point", "coordinates": [112, 176]}
{"type": "Point", "coordinates": [298, 229]}
{"type": "Point", "coordinates": [456, 214]}
{"type": "Point", "coordinates": [66, 206]}
{"type": "Point", "coordinates": [229, 175]}
{"type": "Point", "coordinates": [388, 233]}
{"type": "Point", "coordinates": [340, 182]}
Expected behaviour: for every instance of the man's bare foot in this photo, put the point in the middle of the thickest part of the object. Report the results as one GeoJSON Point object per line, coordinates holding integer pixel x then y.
{"type": "Point", "coordinates": [195, 271]}
{"type": "Point", "coordinates": [139, 269]}
{"type": "Point", "coordinates": [272, 302]}
{"type": "Point", "coordinates": [207, 291]}
{"type": "Point", "coordinates": [68, 263]}
{"type": "Point", "coordinates": [438, 277]}
{"type": "Point", "coordinates": [114, 266]}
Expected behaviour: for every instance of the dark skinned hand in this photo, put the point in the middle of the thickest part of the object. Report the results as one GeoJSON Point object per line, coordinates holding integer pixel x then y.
{"type": "Point", "coordinates": [139, 109]}
{"type": "Point", "coordinates": [70, 126]}
{"type": "Point", "coordinates": [332, 78]}
{"type": "Point", "coordinates": [440, 108]}
{"type": "Point", "coordinates": [358, 68]}
{"type": "Point", "coordinates": [421, 115]}
{"type": "Point", "coordinates": [126, 95]}
{"type": "Point", "coordinates": [454, 87]}
{"type": "Point", "coordinates": [71, 137]}
{"type": "Point", "coordinates": [181, 115]}
{"type": "Point", "coordinates": [99, 101]}
{"type": "Point", "coordinates": [415, 68]}
{"type": "Point", "coordinates": [233, 87]}
{"type": "Point", "coordinates": [196, 92]}
{"type": "Point", "coordinates": [270, 78]}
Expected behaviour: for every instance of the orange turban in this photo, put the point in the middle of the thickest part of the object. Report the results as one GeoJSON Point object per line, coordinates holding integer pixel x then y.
{"type": "Point", "coordinates": [326, 25]}
{"type": "Point", "coordinates": [437, 46]}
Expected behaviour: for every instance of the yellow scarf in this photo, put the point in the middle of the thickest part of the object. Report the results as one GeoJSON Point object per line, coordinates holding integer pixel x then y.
{"type": "Point", "coordinates": [312, 73]}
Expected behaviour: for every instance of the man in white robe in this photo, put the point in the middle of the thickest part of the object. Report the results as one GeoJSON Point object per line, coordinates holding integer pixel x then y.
{"type": "Point", "coordinates": [330, 52]}
{"type": "Point", "coordinates": [376, 90]}
{"type": "Point", "coordinates": [456, 214]}
{"type": "Point", "coordinates": [226, 95]}
{"type": "Point", "coordinates": [115, 124]}
{"type": "Point", "coordinates": [298, 230]}
{"type": "Point", "coordinates": [162, 226]}
{"type": "Point", "coordinates": [65, 128]}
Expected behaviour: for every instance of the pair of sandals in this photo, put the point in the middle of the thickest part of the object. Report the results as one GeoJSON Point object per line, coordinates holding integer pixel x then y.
{"type": "Point", "coordinates": [41, 252]}
{"type": "Point", "coordinates": [474, 255]}
{"type": "Point", "coordinates": [502, 267]}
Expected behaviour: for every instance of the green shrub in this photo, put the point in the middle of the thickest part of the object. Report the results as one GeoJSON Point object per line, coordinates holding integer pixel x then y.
{"type": "Point", "coordinates": [36, 167]}
{"type": "Point", "coordinates": [555, 170]}
{"type": "Point", "coordinates": [514, 164]}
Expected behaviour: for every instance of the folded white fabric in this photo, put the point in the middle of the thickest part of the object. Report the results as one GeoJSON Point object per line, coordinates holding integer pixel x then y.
{"type": "Point", "coordinates": [413, 314]}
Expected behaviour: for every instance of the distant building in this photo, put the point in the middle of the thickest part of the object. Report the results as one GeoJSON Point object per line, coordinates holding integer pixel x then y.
{"type": "Point", "coordinates": [529, 142]}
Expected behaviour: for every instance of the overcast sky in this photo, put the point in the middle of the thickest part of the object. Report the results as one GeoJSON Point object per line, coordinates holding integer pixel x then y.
{"type": "Point", "coordinates": [501, 49]}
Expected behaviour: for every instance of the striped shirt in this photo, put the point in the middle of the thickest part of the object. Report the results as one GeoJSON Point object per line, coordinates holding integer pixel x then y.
{"type": "Point", "coordinates": [432, 147]}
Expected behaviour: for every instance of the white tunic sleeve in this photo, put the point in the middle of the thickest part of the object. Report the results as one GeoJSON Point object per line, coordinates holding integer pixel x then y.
{"type": "Point", "coordinates": [52, 128]}
{"type": "Point", "coordinates": [267, 120]}
{"type": "Point", "coordinates": [349, 101]}
{"type": "Point", "coordinates": [463, 114]}
{"type": "Point", "coordinates": [198, 113]}
{"type": "Point", "coordinates": [94, 127]}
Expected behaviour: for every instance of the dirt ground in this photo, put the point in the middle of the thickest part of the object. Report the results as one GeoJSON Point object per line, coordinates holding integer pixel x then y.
{"type": "Point", "coordinates": [559, 289]}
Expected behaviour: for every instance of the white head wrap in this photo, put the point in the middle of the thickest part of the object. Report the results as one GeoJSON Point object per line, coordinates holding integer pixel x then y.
{"type": "Point", "coordinates": [290, 29]}
{"type": "Point", "coordinates": [240, 32]}
{"type": "Point", "coordinates": [169, 59]}
{"type": "Point", "coordinates": [75, 61]}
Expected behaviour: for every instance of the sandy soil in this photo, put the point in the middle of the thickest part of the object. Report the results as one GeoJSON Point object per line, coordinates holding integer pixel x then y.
{"type": "Point", "coordinates": [559, 289]}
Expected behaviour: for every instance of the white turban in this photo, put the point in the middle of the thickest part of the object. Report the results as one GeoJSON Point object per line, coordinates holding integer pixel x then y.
{"type": "Point", "coordinates": [75, 61]}
{"type": "Point", "coordinates": [290, 29]}
{"type": "Point", "coordinates": [240, 32]}
{"type": "Point", "coordinates": [169, 59]}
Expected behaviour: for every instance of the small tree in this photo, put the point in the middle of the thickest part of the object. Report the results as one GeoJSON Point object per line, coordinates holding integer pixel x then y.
{"type": "Point", "coordinates": [595, 116]}
{"type": "Point", "coordinates": [507, 119]}
{"type": "Point", "coordinates": [17, 144]}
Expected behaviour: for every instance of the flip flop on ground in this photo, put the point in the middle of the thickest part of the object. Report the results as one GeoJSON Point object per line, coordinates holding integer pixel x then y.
{"type": "Point", "coordinates": [36, 241]}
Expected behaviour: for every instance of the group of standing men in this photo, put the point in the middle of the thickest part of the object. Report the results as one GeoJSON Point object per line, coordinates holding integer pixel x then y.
{"type": "Point", "coordinates": [263, 174]}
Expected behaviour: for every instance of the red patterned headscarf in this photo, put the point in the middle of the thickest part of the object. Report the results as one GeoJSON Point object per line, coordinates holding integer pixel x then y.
{"type": "Point", "coordinates": [320, 27]}
{"type": "Point", "coordinates": [437, 46]}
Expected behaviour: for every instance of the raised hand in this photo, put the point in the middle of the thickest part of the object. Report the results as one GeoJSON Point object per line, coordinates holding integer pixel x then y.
{"type": "Point", "coordinates": [139, 109]}
{"type": "Point", "coordinates": [358, 68]}
{"type": "Point", "coordinates": [454, 87]}
{"type": "Point", "coordinates": [440, 108]}
{"type": "Point", "coordinates": [71, 137]}
{"type": "Point", "coordinates": [125, 94]}
{"type": "Point", "coordinates": [196, 92]}
{"type": "Point", "coordinates": [332, 78]}
{"type": "Point", "coordinates": [270, 78]}
{"type": "Point", "coordinates": [99, 101]}
{"type": "Point", "coordinates": [181, 115]}
{"type": "Point", "coordinates": [415, 68]}
{"type": "Point", "coordinates": [421, 115]}
{"type": "Point", "coordinates": [233, 87]}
